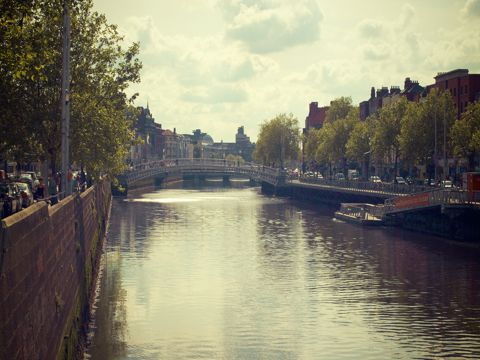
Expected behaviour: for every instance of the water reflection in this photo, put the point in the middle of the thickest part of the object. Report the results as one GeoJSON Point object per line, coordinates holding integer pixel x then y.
{"type": "Point", "coordinates": [227, 273]}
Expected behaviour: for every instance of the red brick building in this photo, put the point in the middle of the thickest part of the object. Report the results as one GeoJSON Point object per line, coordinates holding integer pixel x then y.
{"type": "Point", "coordinates": [464, 87]}
{"type": "Point", "coordinates": [316, 116]}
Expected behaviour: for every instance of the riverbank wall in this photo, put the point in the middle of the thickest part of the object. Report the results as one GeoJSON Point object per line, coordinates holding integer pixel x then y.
{"type": "Point", "coordinates": [48, 262]}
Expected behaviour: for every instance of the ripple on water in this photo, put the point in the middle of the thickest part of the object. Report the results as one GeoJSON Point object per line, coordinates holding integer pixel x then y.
{"type": "Point", "coordinates": [230, 274]}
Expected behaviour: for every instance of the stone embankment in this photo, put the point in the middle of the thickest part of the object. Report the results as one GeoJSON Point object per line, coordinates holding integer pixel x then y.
{"type": "Point", "coordinates": [48, 262]}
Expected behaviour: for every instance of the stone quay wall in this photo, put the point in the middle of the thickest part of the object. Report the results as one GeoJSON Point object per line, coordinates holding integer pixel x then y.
{"type": "Point", "coordinates": [48, 261]}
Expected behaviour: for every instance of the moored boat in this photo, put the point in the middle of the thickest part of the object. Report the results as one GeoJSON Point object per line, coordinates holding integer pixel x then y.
{"type": "Point", "coordinates": [362, 214]}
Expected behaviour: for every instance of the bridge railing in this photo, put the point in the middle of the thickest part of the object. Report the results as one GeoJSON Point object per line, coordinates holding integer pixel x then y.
{"type": "Point", "coordinates": [155, 167]}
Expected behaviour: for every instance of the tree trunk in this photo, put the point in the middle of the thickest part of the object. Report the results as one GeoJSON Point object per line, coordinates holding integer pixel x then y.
{"type": "Point", "coordinates": [53, 162]}
{"type": "Point", "coordinates": [471, 162]}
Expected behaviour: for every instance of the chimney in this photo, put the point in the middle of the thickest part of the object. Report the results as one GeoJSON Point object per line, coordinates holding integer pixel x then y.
{"type": "Point", "coordinates": [175, 131]}
{"type": "Point", "coordinates": [372, 92]}
{"type": "Point", "coordinates": [408, 83]}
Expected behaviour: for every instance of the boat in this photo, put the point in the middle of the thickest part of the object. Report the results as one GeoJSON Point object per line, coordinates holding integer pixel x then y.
{"type": "Point", "coordinates": [362, 214]}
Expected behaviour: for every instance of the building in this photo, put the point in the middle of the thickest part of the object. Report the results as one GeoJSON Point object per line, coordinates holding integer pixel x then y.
{"type": "Point", "coordinates": [241, 147]}
{"type": "Point", "coordinates": [464, 87]}
{"type": "Point", "coordinates": [412, 90]}
{"type": "Point", "coordinates": [316, 116]}
{"type": "Point", "coordinates": [243, 144]}
{"type": "Point", "coordinates": [146, 131]}
{"type": "Point", "coordinates": [381, 97]}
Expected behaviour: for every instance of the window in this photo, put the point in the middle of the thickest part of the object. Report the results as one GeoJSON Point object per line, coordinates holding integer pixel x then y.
{"type": "Point", "coordinates": [466, 89]}
{"type": "Point", "coordinates": [460, 92]}
{"type": "Point", "coordinates": [461, 107]}
{"type": "Point", "coordinates": [454, 91]}
{"type": "Point", "coordinates": [466, 104]}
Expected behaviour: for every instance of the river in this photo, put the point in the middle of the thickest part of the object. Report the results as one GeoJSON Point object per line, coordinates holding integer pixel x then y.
{"type": "Point", "coordinates": [228, 273]}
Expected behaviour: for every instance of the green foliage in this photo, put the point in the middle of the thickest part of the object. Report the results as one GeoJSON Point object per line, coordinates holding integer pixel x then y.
{"type": "Point", "coordinates": [358, 144]}
{"type": "Point", "coordinates": [312, 141]}
{"type": "Point", "coordinates": [334, 137]}
{"type": "Point", "coordinates": [385, 142]}
{"type": "Point", "coordinates": [235, 158]}
{"type": "Point", "coordinates": [465, 134]}
{"type": "Point", "coordinates": [339, 109]}
{"type": "Point", "coordinates": [278, 140]}
{"type": "Point", "coordinates": [417, 135]}
{"type": "Point", "coordinates": [30, 83]}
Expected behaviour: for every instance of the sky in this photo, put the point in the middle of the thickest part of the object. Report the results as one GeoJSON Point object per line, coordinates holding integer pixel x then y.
{"type": "Point", "coordinates": [218, 64]}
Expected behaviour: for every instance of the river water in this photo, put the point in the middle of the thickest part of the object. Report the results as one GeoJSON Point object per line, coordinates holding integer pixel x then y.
{"type": "Point", "coordinates": [228, 273]}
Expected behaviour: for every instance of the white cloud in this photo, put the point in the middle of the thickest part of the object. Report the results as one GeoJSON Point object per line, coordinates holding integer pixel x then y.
{"type": "Point", "coordinates": [244, 66]}
{"type": "Point", "coordinates": [472, 8]}
{"type": "Point", "coordinates": [369, 28]}
{"type": "Point", "coordinates": [269, 26]}
{"type": "Point", "coordinates": [215, 94]}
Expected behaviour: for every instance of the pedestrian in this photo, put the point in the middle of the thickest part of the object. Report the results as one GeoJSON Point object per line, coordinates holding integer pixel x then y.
{"type": "Point", "coordinates": [83, 180]}
{"type": "Point", "coordinates": [52, 190]}
{"type": "Point", "coordinates": [40, 190]}
{"type": "Point", "coordinates": [75, 183]}
{"type": "Point", "coordinates": [69, 181]}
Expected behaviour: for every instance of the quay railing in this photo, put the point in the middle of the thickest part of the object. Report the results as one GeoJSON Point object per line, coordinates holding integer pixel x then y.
{"type": "Point", "coordinates": [367, 186]}
{"type": "Point", "coordinates": [437, 197]}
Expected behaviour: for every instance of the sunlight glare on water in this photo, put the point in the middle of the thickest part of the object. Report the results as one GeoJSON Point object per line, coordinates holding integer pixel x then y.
{"type": "Point", "coordinates": [231, 274]}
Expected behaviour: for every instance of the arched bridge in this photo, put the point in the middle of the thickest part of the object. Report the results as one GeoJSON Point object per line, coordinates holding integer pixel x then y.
{"type": "Point", "coordinates": [204, 168]}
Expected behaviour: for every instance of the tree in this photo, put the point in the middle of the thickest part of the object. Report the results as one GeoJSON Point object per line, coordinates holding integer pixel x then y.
{"type": "Point", "coordinates": [386, 134]}
{"type": "Point", "coordinates": [278, 140]}
{"type": "Point", "coordinates": [358, 144]}
{"type": "Point", "coordinates": [334, 137]}
{"type": "Point", "coordinates": [237, 159]}
{"type": "Point", "coordinates": [419, 142]}
{"type": "Point", "coordinates": [312, 141]}
{"type": "Point", "coordinates": [465, 135]}
{"type": "Point", "coordinates": [101, 118]}
{"type": "Point", "coordinates": [339, 109]}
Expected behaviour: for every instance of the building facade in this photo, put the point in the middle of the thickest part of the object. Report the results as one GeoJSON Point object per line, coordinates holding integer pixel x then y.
{"type": "Point", "coordinates": [464, 87]}
{"type": "Point", "coordinates": [316, 116]}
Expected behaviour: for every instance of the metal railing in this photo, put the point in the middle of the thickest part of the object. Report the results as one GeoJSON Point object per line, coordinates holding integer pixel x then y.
{"type": "Point", "coordinates": [218, 167]}
{"type": "Point", "coordinates": [367, 186]}
{"type": "Point", "coordinates": [437, 197]}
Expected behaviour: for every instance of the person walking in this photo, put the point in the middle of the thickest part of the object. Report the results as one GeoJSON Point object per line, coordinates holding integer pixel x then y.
{"type": "Point", "coordinates": [40, 190]}
{"type": "Point", "coordinates": [52, 190]}
{"type": "Point", "coordinates": [69, 182]}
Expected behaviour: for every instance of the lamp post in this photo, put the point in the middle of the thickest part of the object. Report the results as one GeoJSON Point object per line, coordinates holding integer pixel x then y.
{"type": "Point", "coordinates": [66, 101]}
{"type": "Point", "coordinates": [444, 143]}
{"type": "Point", "coordinates": [303, 150]}
{"type": "Point", "coordinates": [435, 150]}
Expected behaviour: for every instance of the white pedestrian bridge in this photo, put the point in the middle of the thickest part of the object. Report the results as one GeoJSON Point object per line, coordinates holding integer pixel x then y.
{"type": "Point", "coordinates": [203, 168]}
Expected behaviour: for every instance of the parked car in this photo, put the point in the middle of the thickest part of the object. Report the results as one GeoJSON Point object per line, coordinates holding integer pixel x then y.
{"type": "Point", "coordinates": [430, 182]}
{"type": "Point", "coordinates": [400, 180]}
{"type": "Point", "coordinates": [375, 179]}
{"type": "Point", "coordinates": [447, 184]}
{"type": "Point", "coordinates": [32, 175]}
{"type": "Point", "coordinates": [25, 194]}
{"type": "Point", "coordinates": [10, 199]}
{"type": "Point", "coordinates": [339, 177]}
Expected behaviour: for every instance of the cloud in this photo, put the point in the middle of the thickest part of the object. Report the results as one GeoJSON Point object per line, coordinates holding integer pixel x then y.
{"type": "Point", "coordinates": [407, 15]}
{"type": "Point", "coordinates": [371, 29]}
{"type": "Point", "coordinates": [215, 95]}
{"type": "Point", "coordinates": [390, 42]}
{"type": "Point", "coordinates": [269, 26]}
{"type": "Point", "coordinates": [471, 8]}
{"type": "Point", "coordinates": [378, 52]}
